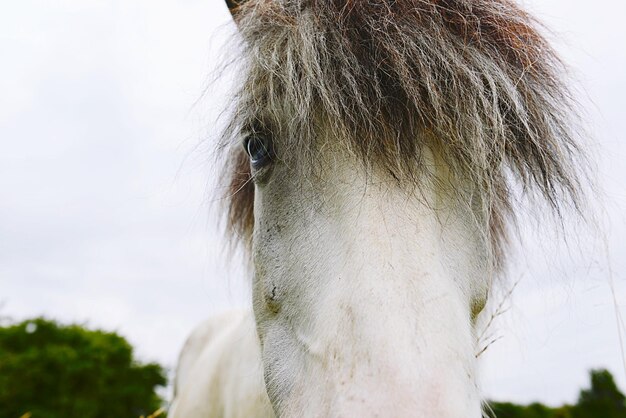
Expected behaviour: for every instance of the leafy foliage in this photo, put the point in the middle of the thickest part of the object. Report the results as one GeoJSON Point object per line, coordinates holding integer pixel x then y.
{"type": "Point", "coordinates": [509, 410]}
{"type": "Point", "coordinates": [51, 371]}
{"type": "Point", "coordinates": [602, 400]}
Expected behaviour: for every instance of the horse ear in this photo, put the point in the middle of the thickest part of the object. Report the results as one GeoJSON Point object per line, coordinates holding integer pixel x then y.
{"type": "Point", "coordinates": [233, 6]}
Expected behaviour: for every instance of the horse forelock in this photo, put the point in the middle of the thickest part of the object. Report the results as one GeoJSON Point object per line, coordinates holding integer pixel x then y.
{"type": "Point", "coordinates": [474, 81]}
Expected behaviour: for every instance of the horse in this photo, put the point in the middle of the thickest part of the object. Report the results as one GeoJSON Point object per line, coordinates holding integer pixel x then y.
{"type": "Point", "coordinates": [376, 159]}
{"type": "Point", "coordinates": [219, 371]}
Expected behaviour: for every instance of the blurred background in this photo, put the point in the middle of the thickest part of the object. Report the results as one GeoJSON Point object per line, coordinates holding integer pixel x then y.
{"type": "Point", "coordinates": [109, 211]}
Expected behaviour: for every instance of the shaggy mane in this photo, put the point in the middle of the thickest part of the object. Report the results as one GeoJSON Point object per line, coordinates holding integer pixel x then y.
{"type": "Point", "coordinates": [472, 80]}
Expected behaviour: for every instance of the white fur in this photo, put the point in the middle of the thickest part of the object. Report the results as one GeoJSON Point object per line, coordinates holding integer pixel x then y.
{"type": "Point", "coordinates": [362, 297]}
{"type": "Point", "coordinates": [362, 294]}
{"type": "Point", "coordinates": [219, 371]}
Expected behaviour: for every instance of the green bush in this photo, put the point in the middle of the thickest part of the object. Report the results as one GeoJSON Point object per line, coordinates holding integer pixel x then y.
{"type": "Point", "coordinates": [602, 400]}
{"type": "Point", "coordinates": [52, 370]}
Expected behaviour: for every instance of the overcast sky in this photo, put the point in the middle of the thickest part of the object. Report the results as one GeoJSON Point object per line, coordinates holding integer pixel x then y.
{"type": "Point", "coordinates": [106, 213]}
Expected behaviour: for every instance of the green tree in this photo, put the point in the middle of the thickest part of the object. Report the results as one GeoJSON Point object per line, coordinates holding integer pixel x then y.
{"type": "Point", "coordinates": [534, 410]}
{"type": "Point", "coordinates": [51, 371]}
{"type": "Point", "coordinates": [506, 410]}
{"type": "Point", "coordinates": [603, 399]}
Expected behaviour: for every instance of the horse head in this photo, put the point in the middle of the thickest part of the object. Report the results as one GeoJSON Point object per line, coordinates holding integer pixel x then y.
{"type": "Point", "coordinates": [374, 151]}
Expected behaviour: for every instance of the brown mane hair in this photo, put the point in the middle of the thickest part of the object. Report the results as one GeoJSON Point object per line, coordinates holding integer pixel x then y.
{"type": "Point", "coordinates": [472, 80]}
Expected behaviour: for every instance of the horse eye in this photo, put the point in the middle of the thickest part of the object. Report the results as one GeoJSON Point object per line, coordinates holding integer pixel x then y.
{"type": "Point", "coordinates": [258, 148]}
